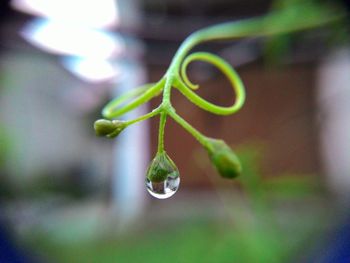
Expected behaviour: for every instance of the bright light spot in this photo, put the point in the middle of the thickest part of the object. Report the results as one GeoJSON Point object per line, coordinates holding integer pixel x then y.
{"type": "Point", "coordinates": [92, 70]}
{"type": "Point", "coordinates": [67, 39]}
{"type": "Point", "coordinates": [91, 13]}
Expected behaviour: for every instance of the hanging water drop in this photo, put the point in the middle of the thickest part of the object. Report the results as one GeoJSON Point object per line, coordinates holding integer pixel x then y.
{"type": "Point", "coordinates": [163, 178]}
{"type": "Point", "coordinates": [164, 189]}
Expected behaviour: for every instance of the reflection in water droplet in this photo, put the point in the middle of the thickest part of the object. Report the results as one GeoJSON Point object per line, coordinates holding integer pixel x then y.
{"type": "Point", "coordinates": [164, 189]}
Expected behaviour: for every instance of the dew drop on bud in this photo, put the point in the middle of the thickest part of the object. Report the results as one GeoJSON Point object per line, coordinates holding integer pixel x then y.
{"type": "Point", "coordinates": [164, 189]}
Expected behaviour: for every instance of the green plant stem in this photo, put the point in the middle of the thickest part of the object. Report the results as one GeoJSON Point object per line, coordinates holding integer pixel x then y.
{"type": "Point", "coordinates": [161, 132]}
{"type": "Point", "coordinates": [166, 103]}
{"type": "Point", "coordinates": [144, 117]}
{"type": "Point", "coordinates": [148, 91]}
{"type": "Point", "coordinates": [203, 140]}
{"type": "Point", "coordinates": [275, 23]}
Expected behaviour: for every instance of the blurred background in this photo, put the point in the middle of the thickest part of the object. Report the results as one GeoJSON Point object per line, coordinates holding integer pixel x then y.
{"type": "Point", "coordinates": [68, 196]}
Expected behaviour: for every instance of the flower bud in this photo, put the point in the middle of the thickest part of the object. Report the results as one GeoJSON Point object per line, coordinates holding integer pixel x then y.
{"type": "Point", "coordinates": [161, 168]}
{"type": "Point", "coordinates": [224, 159]}
{"type": "Point", "coordinates": [108, 128]}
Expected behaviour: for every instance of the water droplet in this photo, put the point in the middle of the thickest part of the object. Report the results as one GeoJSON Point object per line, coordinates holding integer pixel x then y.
{"type": "Point", "coordinates": [163, 177]}
{"type": "Point", "coordinates": [166, 188]}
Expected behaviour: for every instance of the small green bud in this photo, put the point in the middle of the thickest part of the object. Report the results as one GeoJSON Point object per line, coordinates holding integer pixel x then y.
{"type": "Point", "coordinates": [109, 128]}
{"type": "Point", "coordinates": [161, 168]}
{"type": "Point", "coordinates": [224, 159]}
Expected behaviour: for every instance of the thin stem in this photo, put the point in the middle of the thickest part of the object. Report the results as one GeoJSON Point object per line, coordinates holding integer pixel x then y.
{"type": "Point", "coordinates": [167, 89]}
{"type": "Point", "coordinates": [148, 91]}
{"type": "Point", "coordinates": [162, 122]}
{"type": "Point", "coordinates": [277, 22]}
{"type": "Point", "coordinates": [144, 117]}
{"type": "Point", "coordinates": [188, 127]}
